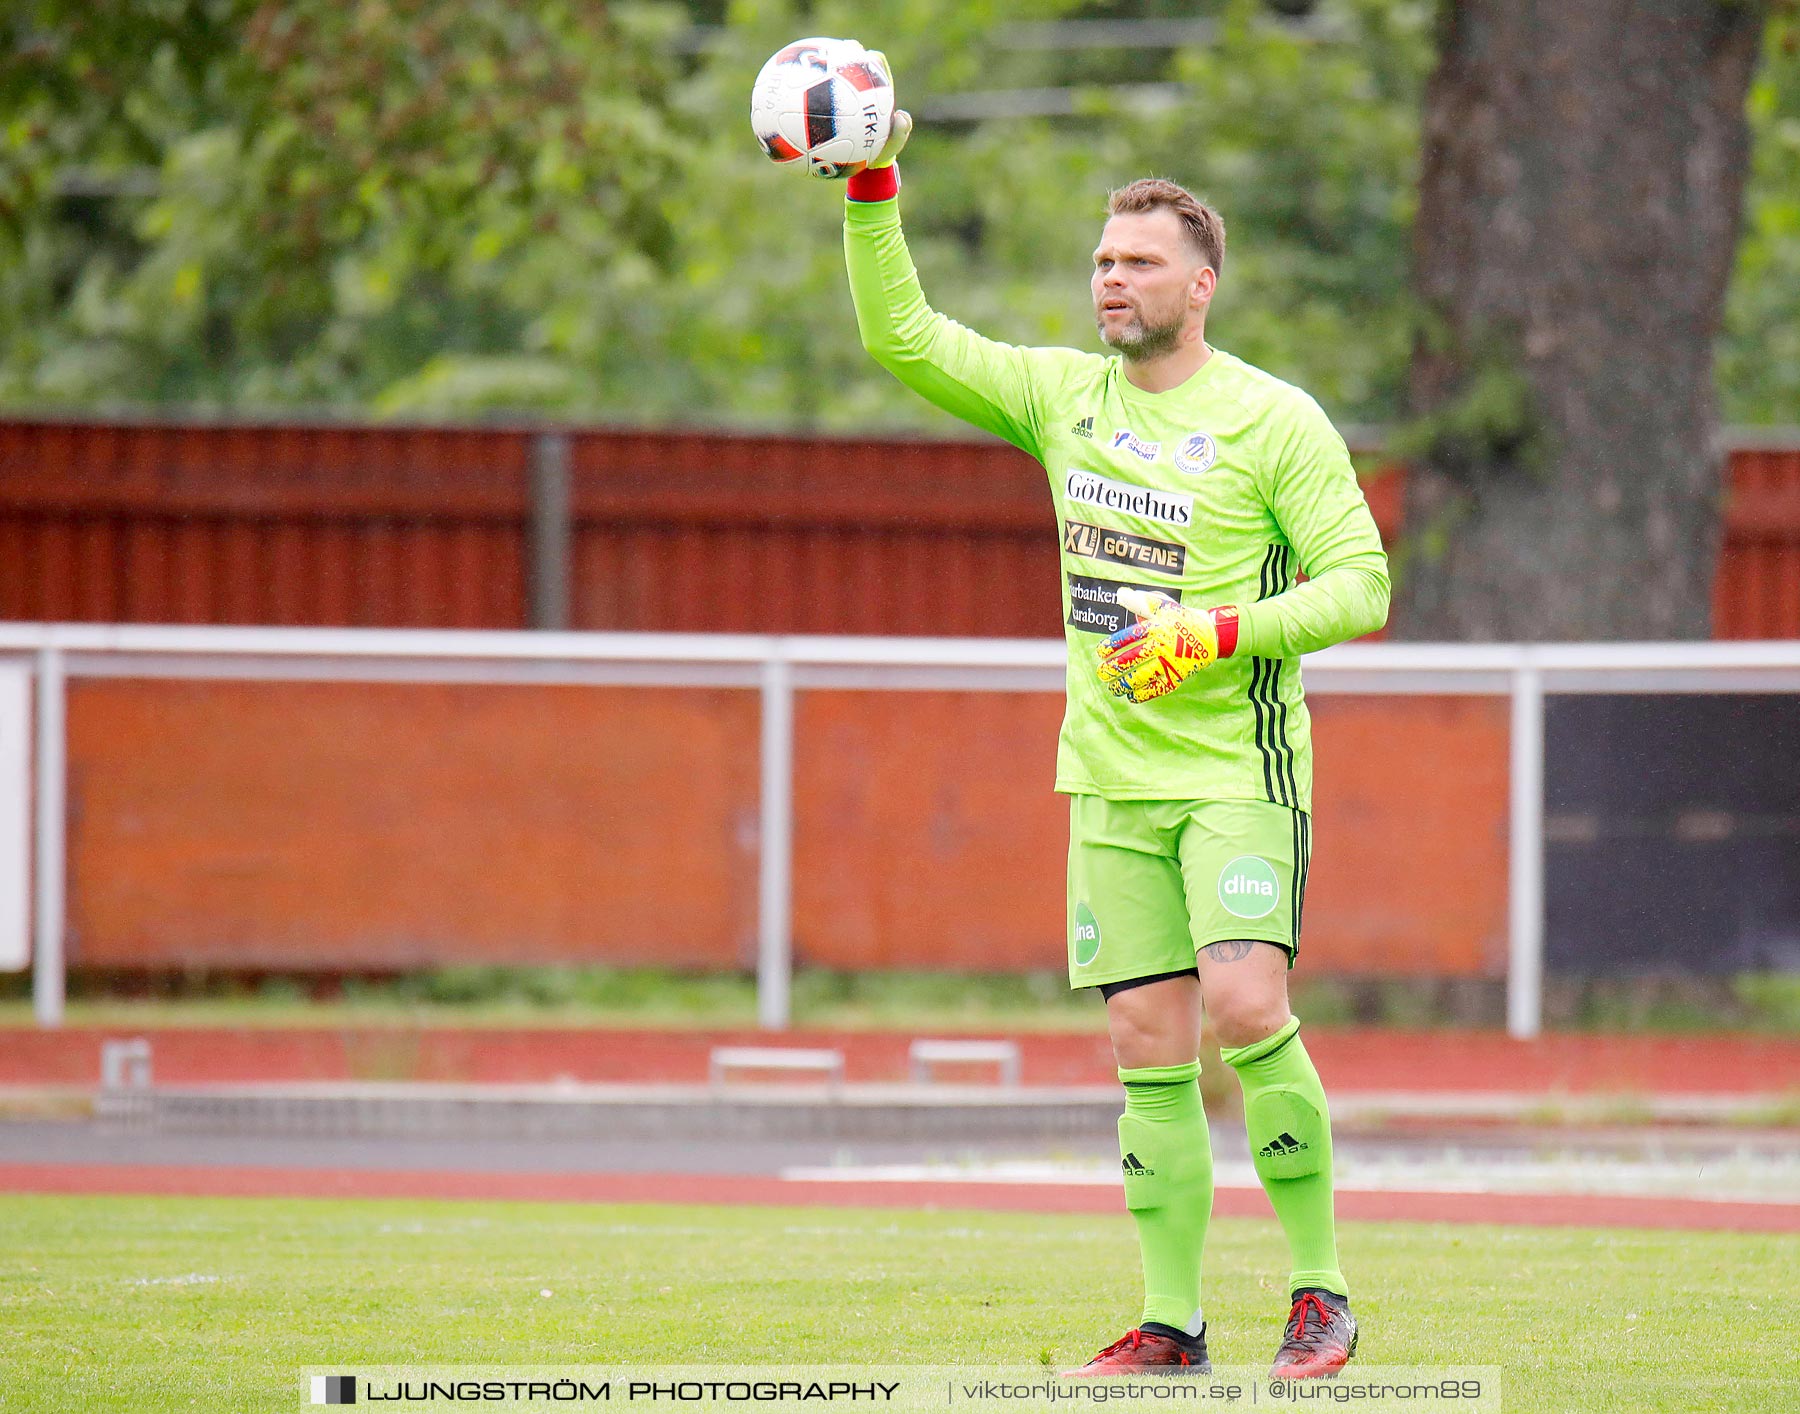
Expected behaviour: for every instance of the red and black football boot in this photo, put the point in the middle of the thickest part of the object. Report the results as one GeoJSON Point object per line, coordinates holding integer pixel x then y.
{"type": "Point", "coordinates": [1320, 1339]}
{"type": "Point", "coordinates": [1149, 1352]}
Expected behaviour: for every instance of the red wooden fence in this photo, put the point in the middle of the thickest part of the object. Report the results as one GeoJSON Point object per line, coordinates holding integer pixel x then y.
{"type": "Point", "coordinates": [405, 526]}
{"type": "Point", "coordinates": [428, 527]}
{"type": "Point", "coordinates": [1756, 593]}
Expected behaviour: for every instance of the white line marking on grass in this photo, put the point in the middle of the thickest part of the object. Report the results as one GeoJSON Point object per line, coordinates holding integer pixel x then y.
{"type": "Point", "coordinates": [1729, 1181]}
{"type": "Point", "coordinates": [190, 1279]}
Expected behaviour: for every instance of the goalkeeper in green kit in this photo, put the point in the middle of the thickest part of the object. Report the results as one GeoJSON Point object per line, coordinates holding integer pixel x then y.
{"type": "Point", "coordinates": [1192, 491]}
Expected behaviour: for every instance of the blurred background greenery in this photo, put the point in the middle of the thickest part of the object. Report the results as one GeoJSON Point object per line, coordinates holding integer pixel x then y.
{"type": "Point", "coordinates": [470, 207]}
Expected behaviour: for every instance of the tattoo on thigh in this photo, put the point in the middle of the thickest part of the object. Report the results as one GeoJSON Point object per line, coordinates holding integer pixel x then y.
{"type": "Point", "coordinates": [1234, 950]}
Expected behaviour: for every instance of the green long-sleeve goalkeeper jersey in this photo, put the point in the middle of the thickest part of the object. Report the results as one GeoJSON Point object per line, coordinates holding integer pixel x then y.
{"type": "Point", "coordinates": [1221, 491]}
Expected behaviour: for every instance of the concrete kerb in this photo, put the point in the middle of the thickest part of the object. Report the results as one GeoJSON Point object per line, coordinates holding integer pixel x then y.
{"type": "Point", "coordinates": [767, 1111]}
{"type": "Point", "coordinates": [868, 1112]}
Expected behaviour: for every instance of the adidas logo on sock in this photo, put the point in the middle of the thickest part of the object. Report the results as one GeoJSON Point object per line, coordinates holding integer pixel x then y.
{"type": "Point", "coordinates": [1134, 1168]}
{"type": "Point", "coordinates": [1084, 428]}
{"type": "Point", "coordinates": [1282, 1143]}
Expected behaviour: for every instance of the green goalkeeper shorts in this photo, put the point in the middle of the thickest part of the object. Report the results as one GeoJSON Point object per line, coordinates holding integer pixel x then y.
{"type": "Point", "coordinates": [1153, 881]}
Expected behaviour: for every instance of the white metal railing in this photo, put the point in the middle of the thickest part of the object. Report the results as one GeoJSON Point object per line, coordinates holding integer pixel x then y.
{"type": "Point", "coordinates": [777, 668]}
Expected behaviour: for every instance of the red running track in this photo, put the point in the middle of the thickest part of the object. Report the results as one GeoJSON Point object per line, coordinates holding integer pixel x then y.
{"type": "Point", "coordinates": [1350, 1059]}
{"type": "Point", "coordinates": [1532, 1210]}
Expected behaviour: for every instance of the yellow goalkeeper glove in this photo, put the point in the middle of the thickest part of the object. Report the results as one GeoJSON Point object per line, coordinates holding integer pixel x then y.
{"type": "Point", "coordinates": [902, 125]}
{"type": "Point", "coordinates": [880, 179]}
{"type": "Point", "coordinates": [1154, 656]}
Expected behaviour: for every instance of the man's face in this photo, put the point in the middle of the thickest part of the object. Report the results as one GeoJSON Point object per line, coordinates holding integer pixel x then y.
{"type": "Point", "coordinates": [1148, 279]}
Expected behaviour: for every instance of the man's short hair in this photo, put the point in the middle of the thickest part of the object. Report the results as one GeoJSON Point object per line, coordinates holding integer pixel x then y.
{"type": "Point", "coordinates": [1204, 226]}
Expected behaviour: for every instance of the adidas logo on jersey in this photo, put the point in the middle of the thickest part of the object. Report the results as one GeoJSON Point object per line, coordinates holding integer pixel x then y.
{"type": "Point", "coordinates": [1282, 1143]}
{"type": "Point", "coordinates": [1131, 1166]}
{"type": "Point", "coordinates": [1084, 428]}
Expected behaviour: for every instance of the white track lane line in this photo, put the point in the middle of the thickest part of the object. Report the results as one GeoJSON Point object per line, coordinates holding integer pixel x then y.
{"type": "Point", "coordinates": [1730, 1179]}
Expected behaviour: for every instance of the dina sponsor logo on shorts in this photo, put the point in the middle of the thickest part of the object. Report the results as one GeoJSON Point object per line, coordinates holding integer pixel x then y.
{"type": "Point", "coordinates": [1248, 887]}
{"type": "Point", "coordinates": [1144, 502]}
{"type": "Point", "coordinates": [1099, 542]}
{"type": "Point", "coordinates": [1094, 605]}
{"type": "Point", "coordinates": [1087, 935]}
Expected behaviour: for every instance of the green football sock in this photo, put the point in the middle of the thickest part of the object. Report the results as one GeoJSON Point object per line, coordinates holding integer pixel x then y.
{"type": "Point", "coordinates": [1290, 1144]}
{"type": "Point", "coordinates": [1166, 1151]}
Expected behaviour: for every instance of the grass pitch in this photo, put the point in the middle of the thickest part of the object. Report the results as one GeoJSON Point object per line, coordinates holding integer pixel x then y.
{"type": "Point", "coordinates": [150, 1304]}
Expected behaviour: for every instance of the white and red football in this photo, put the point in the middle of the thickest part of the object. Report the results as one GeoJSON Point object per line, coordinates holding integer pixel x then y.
{"type": "Point", "coordinates": [824, 102]}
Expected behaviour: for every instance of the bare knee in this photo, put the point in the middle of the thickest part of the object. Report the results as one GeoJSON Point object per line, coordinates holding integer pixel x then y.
{"type": "Point", "coordinates": [1156, 1024]}
{"type": "Point", "coordinates": [1243, 1020]}
{"type": "Point", "coordinates": [1140, 1041]}
{"type": "Point", "coordinates": [1245, 985]}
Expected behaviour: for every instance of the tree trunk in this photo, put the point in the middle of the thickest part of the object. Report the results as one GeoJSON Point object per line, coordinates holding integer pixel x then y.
{"type": "Point", "coordinates": [1579, 206]}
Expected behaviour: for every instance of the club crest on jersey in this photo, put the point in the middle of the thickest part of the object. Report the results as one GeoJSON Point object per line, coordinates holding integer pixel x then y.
{"type": "Point", "coordinates": [1137, 446]}
{"type": "Point", "coordinates": [1196, 454]}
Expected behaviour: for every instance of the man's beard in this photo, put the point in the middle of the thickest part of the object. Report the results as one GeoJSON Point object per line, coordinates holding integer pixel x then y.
{"type": "Point", "coordinates": [1141, 340]}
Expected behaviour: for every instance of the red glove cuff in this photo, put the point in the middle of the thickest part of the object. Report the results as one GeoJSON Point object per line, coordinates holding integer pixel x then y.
{"type": "Point", "coordinates": [874, 184]}
{"type": "Point", "coordinates": [1225, 624]}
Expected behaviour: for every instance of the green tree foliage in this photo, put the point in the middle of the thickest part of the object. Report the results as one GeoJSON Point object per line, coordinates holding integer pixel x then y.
{"type": "Point", "coordinates": [231, 202]}
{"type": "Point", "coordinates": [1759, 354]}
{"type": "Point", "coordinates": [452, 207]}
